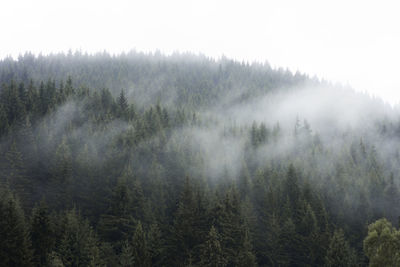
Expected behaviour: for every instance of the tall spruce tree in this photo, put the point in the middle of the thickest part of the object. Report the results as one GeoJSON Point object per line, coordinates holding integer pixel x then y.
{"type": "Point", "coordinates": [211, 253]}
{"type": "Point", "coordinates": [79, 244]}
{"type": "Point", "coordinates": [42, 234]}
{"type": "Point", "coordinates": [339, 251]}
{"type": "Point", "coordinates": [15, 245]}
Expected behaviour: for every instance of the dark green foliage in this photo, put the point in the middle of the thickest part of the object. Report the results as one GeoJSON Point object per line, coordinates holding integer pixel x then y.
{"type": "Point", "coordinates": [211, 252]}
{"type": "Point", "coordinates": [123, 105]}
{"type": "Point", "coordinates": [15, 244]}
{"type": "Point", "coordinates": [156, 245]}
{"type": "Point", "coordinates": [126, 257]}
{"type": "Point", "coordinates": [118, 224]}
{"type": "Point", "coordinates": [293, 251]}
{"type": "Point", "coordinates": [78, 245]}
{"type": "Point", "coordinates": [3, 121]}
{"type": "Point", "coordinates": [261, 193]}
{"type": "Point", "coordinates": [14, 174]}
{"type": "Point", "coordinates": [42, 234]}
{"type": "Point", "coordinates": [339, 252]}
{"type": "Point", "coordinates": [188, 229]}
{"type": "Point", "coordinates": [139, 247]}
{"type": "Point", "coordinates": [382, 244]}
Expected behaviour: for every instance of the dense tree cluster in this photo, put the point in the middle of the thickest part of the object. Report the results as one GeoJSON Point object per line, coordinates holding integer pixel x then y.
{"type": "Point", "coordinates": [91, 176]}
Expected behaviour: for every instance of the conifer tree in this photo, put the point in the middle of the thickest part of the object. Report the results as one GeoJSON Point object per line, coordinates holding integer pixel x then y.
{"type": "Point", "coordinates": [246, 257]}
{"type": "Point", "coordinates": [139, 247]}
{"type": "Point", "coordinates": [126, 258]}
{"type": "Point", "coordinates": [14, 174]}
{"type": "Point", "coordinates": [156, 245]}
{"type": "Point", "coordinates": [211, 253]}
{"type": "Point", "coordinates": [4, 126]}
{"type": "Point", "coordinates": [339, 252]}
{"type": "Point", "coordinates": [42, 234]}
{"type": "Point", "coordinates": [62, 175]}
{"type": "Point", "coordinates": [292, 246]}
{"type": "Point", "coordinates": [184, 235]}
{"type": "Point", "coordinates": [79, 244]}
{"type": "Point", "coordinates": [123, 105]}
{"type": "Point", "coordinates": [15, 245]}
{"type": "Point", "coordinates": [118, 224]}
{"type": "Point", "coordinates": [31, 98]}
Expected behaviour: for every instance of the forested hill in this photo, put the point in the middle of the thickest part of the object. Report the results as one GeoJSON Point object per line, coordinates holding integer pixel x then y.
{"type": "Point", "coordinates": [182, 160]}
{"type": "Point", "coordinates": [178, 79]}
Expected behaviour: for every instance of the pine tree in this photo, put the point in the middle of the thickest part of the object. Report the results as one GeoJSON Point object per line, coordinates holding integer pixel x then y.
{"type": "Point", "coordinates": [63, 162]}
{"type": "Point", "coordinates": [27, 142]}
{"type": "Point", "coordinates": [139, 247]}
{"type": "Point", "coordinates": [339, 252]}
{"type": "Point", "coordinates": [292, 246]}
{"type": "Point", "coordinates": [126, 258]}
{"type": "Point", "coordinates": [16, 109]}
{"type": "Point", "coordinates": [392, 198]}
{"type": "Point", "coordinates": [271, 253]}
{"type": "Point", "coordinates": [138, 202]}
{"type": "Point", "coordinates": [184, 235]}
{"type": "Point", "coordinates": [42, 234]}
{"type": "Point", "coordinates": [156, 245]}
{"type": "Point", "coordinates": [211, 253]}
{"type": "Point", "coordinates": [79, 245]}
{"type": "Point", "coordinates": [15, 245]}
{"type": "Point", "coordinates": [107, 100]}
{"type": "Point", "coordinates": [69, 89]}
{"type": "Point", "coordinates": [62, 176]}
{"type": "Point", "coordinates": [118, 224]}
{"type": "Point", "coordinates": [4, 126]}
{"type": "Point", "coordinates": [15, 175]}
{"type": "Point", "coordinates": [292, 191]}
{"type": "Point", "coordinates": [230, 223]}
{"type": "Point", "coordinates": [123, 105]}
{"type": "Point", "coordinates": [22, 94]}
{"type": "Point", "coordinates": [246, 257]}
{"type": "Point", "coordinates": [31, 98]}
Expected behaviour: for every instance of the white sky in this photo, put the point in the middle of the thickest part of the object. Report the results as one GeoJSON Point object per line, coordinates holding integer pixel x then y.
{"type": "Point", "coordinates": [355, 42]}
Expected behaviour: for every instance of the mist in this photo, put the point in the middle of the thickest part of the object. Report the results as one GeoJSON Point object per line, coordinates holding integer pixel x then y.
{"type": "Point", "coordinates": [154, 127]}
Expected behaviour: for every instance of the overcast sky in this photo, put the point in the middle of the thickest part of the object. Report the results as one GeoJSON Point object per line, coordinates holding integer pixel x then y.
{"type": "Point", "coordinates": [354, 42]}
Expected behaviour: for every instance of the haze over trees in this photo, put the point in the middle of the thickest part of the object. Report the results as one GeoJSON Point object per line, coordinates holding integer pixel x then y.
{"type": "Point", "coordinates": [152, 160]}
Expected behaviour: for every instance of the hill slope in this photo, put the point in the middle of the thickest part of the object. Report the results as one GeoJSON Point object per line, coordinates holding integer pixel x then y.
{"type": "Point", "coordinates": [184, 160]}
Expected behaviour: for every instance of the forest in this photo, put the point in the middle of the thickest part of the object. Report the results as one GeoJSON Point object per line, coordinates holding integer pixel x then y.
{"type": "Point", "coordinates": [145, 159]}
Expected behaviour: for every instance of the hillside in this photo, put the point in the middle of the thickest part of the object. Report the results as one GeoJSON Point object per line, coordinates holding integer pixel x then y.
{"type": "Point", "coordinates": [153, 160]}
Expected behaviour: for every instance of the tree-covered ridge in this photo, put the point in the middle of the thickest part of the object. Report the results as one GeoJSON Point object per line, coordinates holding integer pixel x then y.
{"type": "Point", "coordinates": [178, 79]}
{"type": "Point", "coordinates": [97, 176]}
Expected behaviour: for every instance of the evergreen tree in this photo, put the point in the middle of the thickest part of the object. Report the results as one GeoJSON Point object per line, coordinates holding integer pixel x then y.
{"type": "Point", "coordinates": [246, 257]}
{"type": "Point", "coordinates": [4, 126]}
{"type": "Point", "coordinates": [185, 237]}
{"type": "Point", "coordinates": [211, 251]}
{"type": "Point", "coordinates": [292, 246]}
{"type": "Point", "coordinates": [15, 245]}
{"type": "Point", "coordinates": [42, 234]}
{"type": "Point", "coordinates": [118, 224]}
{"type": "Point", "coordinates": [123, 104]}
{"type": "Point", "coordinates": [139, 247]}
{"type": "Point", "coordinates": [339, 251]}
{"type": "Point", "coordinates": [156, 245]}
{"type": "Point", "coordinates": [292, 191]}
{"type": "Point", "coordinates": [15, 175]}
{"type": "Point", "coordinates": [126, 258]}
{"type": "Point", "coordinates": [62, 175]}
{"type": "Point", "coordinates": [79, 245]}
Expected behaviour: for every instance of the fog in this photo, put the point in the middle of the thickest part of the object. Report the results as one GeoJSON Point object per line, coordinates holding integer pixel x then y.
{"type": "Point", "coordinates": [250, 119]}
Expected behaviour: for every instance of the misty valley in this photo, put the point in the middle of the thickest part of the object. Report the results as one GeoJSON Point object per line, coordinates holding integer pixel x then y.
{"type": "Point", "coordinates": [182, 160]}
